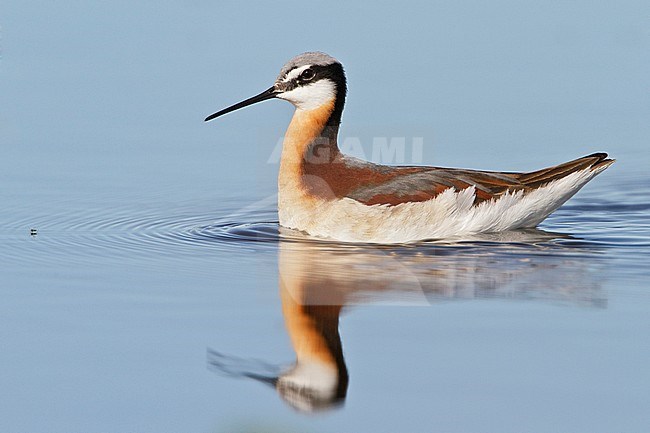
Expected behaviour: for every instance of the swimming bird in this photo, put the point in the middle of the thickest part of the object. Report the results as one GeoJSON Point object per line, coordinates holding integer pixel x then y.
{"type": "Point", "coordinates": [328, 194]}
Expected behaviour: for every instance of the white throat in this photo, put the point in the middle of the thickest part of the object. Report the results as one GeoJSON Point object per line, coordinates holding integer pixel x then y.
{"type": "Point", "coordinates": [311, 96]}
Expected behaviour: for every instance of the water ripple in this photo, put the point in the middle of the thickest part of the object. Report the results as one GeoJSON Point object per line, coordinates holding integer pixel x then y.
{"type": "Point", "coordinates": [583, 227]}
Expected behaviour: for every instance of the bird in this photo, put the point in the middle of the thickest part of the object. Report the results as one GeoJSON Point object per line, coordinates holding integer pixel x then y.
{"type": "Point", "coordinates": [327, 194]}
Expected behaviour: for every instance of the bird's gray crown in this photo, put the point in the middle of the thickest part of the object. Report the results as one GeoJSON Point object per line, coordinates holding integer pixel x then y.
{"type": "Point", "coordinates": [308, 58]}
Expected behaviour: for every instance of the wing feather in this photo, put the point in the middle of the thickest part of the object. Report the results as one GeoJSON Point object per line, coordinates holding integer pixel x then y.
{"type": "Point", "coordinates": [413, 184]}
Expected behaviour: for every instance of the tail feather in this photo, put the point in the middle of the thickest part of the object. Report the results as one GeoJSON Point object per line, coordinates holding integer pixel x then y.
{"type": "Point", "coordinates": [535, 179]}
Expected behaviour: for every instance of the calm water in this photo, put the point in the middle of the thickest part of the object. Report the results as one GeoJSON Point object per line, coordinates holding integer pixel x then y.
{"type": "Point", "coordinates": [156, 292]}
{"type": "Point", "coordinates": [146, 313]}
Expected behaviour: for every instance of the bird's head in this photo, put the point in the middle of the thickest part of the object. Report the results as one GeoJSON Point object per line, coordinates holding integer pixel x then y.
{"type": "Point", "coordinates": [308, 81]}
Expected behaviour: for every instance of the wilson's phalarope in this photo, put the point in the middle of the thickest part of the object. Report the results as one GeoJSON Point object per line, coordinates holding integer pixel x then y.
{"type": "Point", "coordinates": [328, 194]}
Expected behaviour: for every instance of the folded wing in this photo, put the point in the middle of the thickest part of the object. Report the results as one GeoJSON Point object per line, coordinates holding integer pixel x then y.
{"type": "Point", "coordinates": [411, 184]}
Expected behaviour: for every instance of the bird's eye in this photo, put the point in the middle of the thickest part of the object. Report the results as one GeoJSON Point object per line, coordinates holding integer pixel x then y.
{"type": "Point", "coordinates": [307, 74]}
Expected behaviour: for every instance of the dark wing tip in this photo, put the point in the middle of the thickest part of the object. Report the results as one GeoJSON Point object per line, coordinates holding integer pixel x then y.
{"type": "Point", "coordinates": [601, 161]}
{"type": "Point", "coordinates": [599, 155]}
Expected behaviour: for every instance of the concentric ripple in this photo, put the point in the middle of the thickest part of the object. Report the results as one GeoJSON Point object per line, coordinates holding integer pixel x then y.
{"type": "Point", "coordinates": [194, 230]}
{"type": "Point", "coordinates": [234, 232]}
{"type": "Point", "coordinates": [129, 232]}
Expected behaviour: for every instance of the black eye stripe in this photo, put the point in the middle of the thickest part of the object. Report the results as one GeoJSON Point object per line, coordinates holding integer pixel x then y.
{"type": "Point", "coordinates": [333, 72]}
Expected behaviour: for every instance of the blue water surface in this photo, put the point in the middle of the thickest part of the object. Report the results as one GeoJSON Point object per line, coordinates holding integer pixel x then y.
{"type": "Point", "coordinates": [147, 287]}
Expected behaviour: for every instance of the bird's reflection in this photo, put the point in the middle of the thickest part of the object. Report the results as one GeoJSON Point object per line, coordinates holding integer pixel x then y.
{"type": "Point", "coordinates": [317, 280]}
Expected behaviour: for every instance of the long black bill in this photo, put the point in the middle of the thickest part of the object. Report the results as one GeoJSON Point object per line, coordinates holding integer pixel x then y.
{"type": "Point", "coordinates": [267, 94]}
